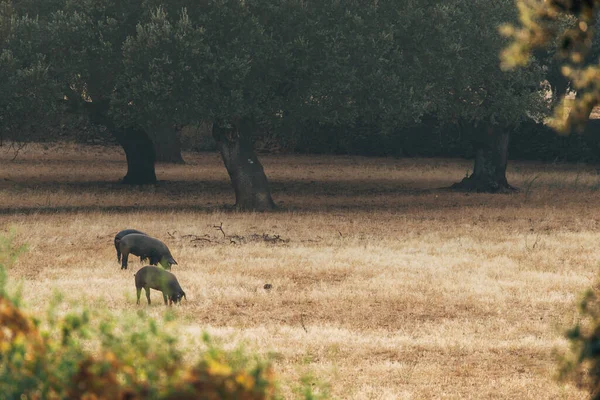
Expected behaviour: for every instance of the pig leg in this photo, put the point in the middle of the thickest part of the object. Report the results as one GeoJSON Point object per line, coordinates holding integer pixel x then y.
{"type": "Point", "coordinates": [165, 298]}
{"type": "Point", "coordinates": [118, 251]}
{"type": "Point", "coordinates": [139, 292]}
{"type": "Point", "coordinates": [124, 260]}
{"type": "Point", "coordinates": [147, 289]}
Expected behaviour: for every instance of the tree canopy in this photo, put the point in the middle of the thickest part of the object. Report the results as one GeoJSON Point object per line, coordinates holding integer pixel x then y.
{"type": "Point", "coordinates": [27, 90]}
{"type": "Point", "coordinates": [320, 62]}
{"type": "Point", "coordinates": [303, 63]}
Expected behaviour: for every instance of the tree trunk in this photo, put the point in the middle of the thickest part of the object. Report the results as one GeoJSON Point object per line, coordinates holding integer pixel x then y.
{"type": "Point", "coordinates": [167, 145]}
{"type": "Point", "coordinates": [559, 84]}
{"type": "Point", "coordinates": [139, 152]}
{"type": "Point", "coordinates": [245, 170]}
{"type": "Point", "coordinates": [137, 145]}
{"type": "Point", "coordinates": [489, 171]}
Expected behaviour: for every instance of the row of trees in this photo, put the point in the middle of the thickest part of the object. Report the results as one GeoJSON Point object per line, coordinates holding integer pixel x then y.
{"type": "Point", "coordinates": [145, 68]}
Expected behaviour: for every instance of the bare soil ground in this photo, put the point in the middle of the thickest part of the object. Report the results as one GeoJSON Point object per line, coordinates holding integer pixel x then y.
{"type": "Point", "coordinates": [382, 285]}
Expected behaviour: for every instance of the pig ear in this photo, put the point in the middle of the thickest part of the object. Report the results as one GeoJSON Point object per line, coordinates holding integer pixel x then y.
{"type": "Point", "coordinates": [172, 261]}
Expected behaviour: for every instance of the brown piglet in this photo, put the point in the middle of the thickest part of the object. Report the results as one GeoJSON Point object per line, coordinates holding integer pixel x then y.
{"type": "Point", "coordinates": [151, 277]}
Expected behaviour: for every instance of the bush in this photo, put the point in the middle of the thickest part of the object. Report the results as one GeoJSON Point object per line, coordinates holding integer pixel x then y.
{"type": "Point", "coordinates": [125, 363]}
{"type": "Point", "coordinates": [581, 364]}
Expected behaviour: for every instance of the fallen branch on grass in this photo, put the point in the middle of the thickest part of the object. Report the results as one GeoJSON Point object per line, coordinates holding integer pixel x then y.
{"type": "Point", "coordinates": [302, 323]}
{"type": "Point", "coordinates": [220, 228]}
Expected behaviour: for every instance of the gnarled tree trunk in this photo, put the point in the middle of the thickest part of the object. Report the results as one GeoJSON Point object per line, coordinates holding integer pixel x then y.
{"type": "Point", "coordinates": [167, 145]}
{"type": "Point", "coordinates": [139, 151]}
{"type": "Point", "coordinates": [245, 170]}
{"type": "Point", "coordinates": [489, 171]}
{"type": "Point", "coordinates": [137, 145]}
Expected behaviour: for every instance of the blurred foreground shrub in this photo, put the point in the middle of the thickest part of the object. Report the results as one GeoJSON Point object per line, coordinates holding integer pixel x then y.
{"type": "Point", "coordinates": [76, 358]}
{"type": "Point", "coordinates": [581, 364]}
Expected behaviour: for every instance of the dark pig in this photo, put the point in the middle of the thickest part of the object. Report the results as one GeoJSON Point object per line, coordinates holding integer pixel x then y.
{"type": "Point", "coordinates": [120, 235]}
{"type": "Point", "coordinates": [145, 247]}
{"type": "Point", "coordinates": [150, 277]}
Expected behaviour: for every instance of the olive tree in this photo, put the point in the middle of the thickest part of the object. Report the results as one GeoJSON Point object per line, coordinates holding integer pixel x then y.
{"type": "Point", "coordinates": [472, 90]}
{"type": "Point", "coordinates": [81, 43]}
{"type": "Point", "coordinates": [215, 67]}
{"type": "Point", "coordinates": [354, 64]}
{"type": "Point", "coordinates": [27, 93]}
{"type": "Point", "coordinates": [370, 69]}
{"type": "Point", "coordinates": [293, 67]}
{"type": "Point", "coordinates": [283, 66]}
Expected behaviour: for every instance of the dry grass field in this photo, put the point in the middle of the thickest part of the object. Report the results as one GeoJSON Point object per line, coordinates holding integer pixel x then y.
{"type": "Point", "coordinates": [383, 286]}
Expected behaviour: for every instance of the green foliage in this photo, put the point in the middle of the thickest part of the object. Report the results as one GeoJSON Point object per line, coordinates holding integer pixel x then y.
{"type": "Point", "coordinates": [163, 77]}
{"type": "Point", "coordinates": [8, 252]}
{"type": "Point", "coordinates": [296, 67]}
{"type": "Point", "coordinates": [27, 92]}
{"type": "Point", "coordinates": [469, 45]}
{"type": "Point", "coordinates": [307, 388]}
{"type": "Point", "coordinates": [186, 70]}
{"type": "Point", "coordinates": [363, 69]}
{"type": "Point", "coordinates": [96, 355]}
{"type": "Point", "coordinates": [582, 363]}
{"type": "Point", "coordinates": [568, 29]}
{"type": "Point", "coordinates": [8, 255]}
{"type": "Point", "coordinates": [93, 354]}
{"type": "Point", "coordinates": [80, 45]}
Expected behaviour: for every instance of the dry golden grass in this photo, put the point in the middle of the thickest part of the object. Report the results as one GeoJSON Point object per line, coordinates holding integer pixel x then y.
{"type": "Point", "coordinates": [387, 287]}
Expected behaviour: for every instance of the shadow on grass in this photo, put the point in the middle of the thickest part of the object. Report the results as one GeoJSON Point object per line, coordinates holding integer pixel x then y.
{"type": "Point", "coordinates": [203, 196]}
{"type": "Point", "coordinates": [36, 195]}
{"type": "Point", "coordinates": [199, 187]}
{"type": "Point", "coordinates": [43, 210]}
